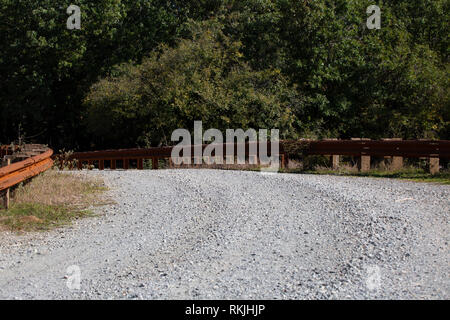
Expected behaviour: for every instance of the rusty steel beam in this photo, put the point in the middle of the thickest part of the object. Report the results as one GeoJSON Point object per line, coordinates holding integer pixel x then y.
{"type": "Point", "coordinates": [25, 163]}
{"type": "Point", "coordinates": [160, 152]}
{"type": "Point", "coordinates": [405, 148]}
{"type": "Point", "coordinates": [358, 147]}
{"type": "Point", "coordinates": [23, 170]}
{"type": "Point", "coordinates": [16, 177]}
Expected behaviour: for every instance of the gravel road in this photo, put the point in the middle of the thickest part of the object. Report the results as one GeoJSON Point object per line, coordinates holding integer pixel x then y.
{"type": "Point", "coordinates": [214, 234]}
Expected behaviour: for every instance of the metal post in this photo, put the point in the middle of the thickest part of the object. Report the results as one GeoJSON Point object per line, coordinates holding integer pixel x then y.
{"type": "Point", "coordinates": [6, 162]}
{"type": "Point", "coordinates": [155, 163]}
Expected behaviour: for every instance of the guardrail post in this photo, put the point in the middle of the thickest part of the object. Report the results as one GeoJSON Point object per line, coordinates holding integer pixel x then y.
{"type": "Point", "coordinates": [126, 164]}
{"type": "Point", "coordinates": [155, 163]}
{"type": "Point", "coordinates": [218, 160]}
{"type": "Point", "coordinates": [253, 160]}
{"type": "Point", "coordinates": [6, 162]}
{"type": "Point", "coordinates": [113, 164]}
{"type": "Point", "coordinates": [140, 164]}
{"type": "Point", "coordinates": [364, 164]}
{"type": "Point", "coordinates": [434, 165]}
{"type": "Point", "coordinates": [335, 159]}
{"type": "Point", "coordinates": [364, 161]}
{"type": "Point", "coordinates": [397, 162]}
{"type": "Point", "coordinates": [101, 164]}
{"type": "Point", "coordinates": [198, 161]}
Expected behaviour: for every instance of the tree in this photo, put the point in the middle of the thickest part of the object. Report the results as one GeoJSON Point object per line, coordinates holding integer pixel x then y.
{"type": "Point", "coordinates": [46, 70]}
{"type": "Point", "coordinates": [203, 78]}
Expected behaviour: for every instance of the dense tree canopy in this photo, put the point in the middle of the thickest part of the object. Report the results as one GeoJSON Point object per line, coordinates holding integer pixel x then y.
{"type": "Point", "coordinates": [139, 69]}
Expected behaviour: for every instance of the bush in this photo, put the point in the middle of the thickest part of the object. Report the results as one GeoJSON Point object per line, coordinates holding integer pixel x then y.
{"type": "Point", "coordinates": [203, 78]}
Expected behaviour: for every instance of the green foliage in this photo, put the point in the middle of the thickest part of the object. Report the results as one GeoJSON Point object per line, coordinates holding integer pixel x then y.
{"type": "Point", "coordinates": [46, 70]}
{"type": "Point", "coordinates": [360, 82]}
{"type": "Point", "coordinates": [411, 174]}
{"type": "Point", "coordinates": [203, 78]}
{"type": "Point", "coordinates": [311, 68]}
{"type": "Point", "coordinates": [38, 217]}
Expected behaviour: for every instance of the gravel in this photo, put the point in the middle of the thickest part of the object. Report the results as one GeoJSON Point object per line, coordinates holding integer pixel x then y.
{"type": "Point", "coordinates": [216, 234]}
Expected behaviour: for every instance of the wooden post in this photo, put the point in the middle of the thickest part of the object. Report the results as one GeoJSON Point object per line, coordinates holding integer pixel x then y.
{"type": "Point", "coordinates": [113, 164]}
{"type": "Point", "coordinates": [6, 162]}
{"type": "Point", "coordinates": [364, 161]}
{"type": "Point", "coordinates": [397, 162]}
{"type": "Point", "coordinates": [364, 164]}
{"type": "Point", "coordinates": [335, 159]}
{"type": "Point", "coordinates": [126, 164]}
{"type": "Point", "coordinates": [434, 165]}
{"type": "Point", "coordinates": [101, 164]}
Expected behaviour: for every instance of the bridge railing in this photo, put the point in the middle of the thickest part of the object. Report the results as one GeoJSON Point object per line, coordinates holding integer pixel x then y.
{"type": "Point", "coordinates": [155, 154]}
{"type": "Point", "coordinates": [395, 148]}
{"type": "Point", "coordinates": [363, 149]}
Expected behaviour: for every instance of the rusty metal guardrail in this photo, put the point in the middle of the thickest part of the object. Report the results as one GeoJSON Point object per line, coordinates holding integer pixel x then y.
{"type": "Point", "coordinates": [397, 149]}
{"type": "Point", "coordinates": [18, 172]}
{"type": "Point", "coordinates": [154, 154]}
{"type": "Point", "coordinates": [361, 148]}
{"type": "Point", "coordinates": [7, 150]}
{"type": "Point", "coordinates": [401, 148]}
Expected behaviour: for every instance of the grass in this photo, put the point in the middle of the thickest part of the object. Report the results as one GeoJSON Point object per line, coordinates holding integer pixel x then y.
{"type": "Point", "coordinates": [50, 200]}
{"type": "Point", "coordinates": [411, 174]}
{"type": "Point", "coordinates": [317, 165]}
